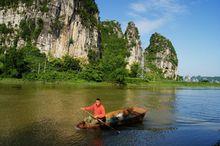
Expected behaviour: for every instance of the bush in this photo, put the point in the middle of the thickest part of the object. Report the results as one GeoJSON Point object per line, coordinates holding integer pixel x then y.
{"type": "Point", "coordinates": [14, 63]}
{"type": "Point", "coordinates": [152, 76]}
{"type": "Point", "coordinates": [118, 76]}
{"type": "Point", "coordinates": [135, 70]}
{"type": "Point", "coordinates": [93, 56]}
{"type": "Point", "coordinates": [71, 63]}
{"type": "Point", "coordinates": [56, 64]}
{"type": "Point", "coordinates": [92, 73]}
{"type": "Point", "coordinates": [1, 62]}
{"type": "Point", "coordinates": [67, 63]}
{"type": "Point", "coordinates": [33, 57]}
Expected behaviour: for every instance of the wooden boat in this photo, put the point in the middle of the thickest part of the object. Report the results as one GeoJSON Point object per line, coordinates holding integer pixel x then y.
{"type": "Point", "coordinates": [121, 117]}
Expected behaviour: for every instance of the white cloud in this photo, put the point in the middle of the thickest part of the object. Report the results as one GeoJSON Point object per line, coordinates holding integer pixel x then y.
{"type": "Point", "coordinates": [147, 26]}
{"type": "Point", "coordinates": [150, 15]}
{"type": "Point", "coordinates": [138, 7]}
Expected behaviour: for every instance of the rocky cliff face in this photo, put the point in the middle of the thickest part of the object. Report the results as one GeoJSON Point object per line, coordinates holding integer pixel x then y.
{"type": "Point", "coordinates": [60, 27]}
{"type": "Point", "coordinates": [113, 28]}
{"type": "Point", "coordinates": [57, 27]}
{"type": "Point", "coordinates": [161, 56]}
{"type": "Point", "coordinates": [134, 44]}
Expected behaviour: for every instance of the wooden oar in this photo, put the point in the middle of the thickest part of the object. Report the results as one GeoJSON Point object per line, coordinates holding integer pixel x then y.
{"type": "Point", "coordinates": [102, 121]}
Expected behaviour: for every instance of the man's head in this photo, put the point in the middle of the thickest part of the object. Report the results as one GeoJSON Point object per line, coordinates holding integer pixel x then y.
{"type": "Point", "coordinates": [98, 102]}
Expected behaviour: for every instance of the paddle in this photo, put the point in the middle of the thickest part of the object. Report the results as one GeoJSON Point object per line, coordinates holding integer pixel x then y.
{"type": "Point", "coordinates": [102, 122]}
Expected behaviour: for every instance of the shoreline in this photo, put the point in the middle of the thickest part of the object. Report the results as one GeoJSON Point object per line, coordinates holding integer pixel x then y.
{"type": "Point", "coordinates": [83, 83]}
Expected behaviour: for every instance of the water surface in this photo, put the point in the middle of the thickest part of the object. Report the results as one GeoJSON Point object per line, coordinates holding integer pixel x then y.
{"type": "Point", "coordinates": [33, 114]}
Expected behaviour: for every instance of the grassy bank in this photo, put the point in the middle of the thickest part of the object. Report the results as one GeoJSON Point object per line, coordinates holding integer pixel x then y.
{"type": "Point", "coordinates": [84, 83]}
{"type": "Point", "coordinates": [77, 83]}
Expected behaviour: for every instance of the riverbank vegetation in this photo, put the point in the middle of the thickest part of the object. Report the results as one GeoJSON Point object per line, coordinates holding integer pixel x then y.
{"type": "Point", "coordinates": [85, 83]}
{"type": "Point", "coordinates": [28, 64]}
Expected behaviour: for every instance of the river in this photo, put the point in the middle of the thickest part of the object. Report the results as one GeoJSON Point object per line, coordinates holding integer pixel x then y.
{"type": "Point", "coordinates": [38, 115]}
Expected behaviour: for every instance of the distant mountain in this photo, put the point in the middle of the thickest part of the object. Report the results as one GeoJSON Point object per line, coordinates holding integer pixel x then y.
{"type": "Point", "coordinates": [161, 57]}
{"type": "Point", "coordinates": [205, 79]}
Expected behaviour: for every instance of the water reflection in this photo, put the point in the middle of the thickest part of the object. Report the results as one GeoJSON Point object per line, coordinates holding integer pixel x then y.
{"type": "Point", "coordinates": [38, 133]}
{"type": "Point", "coordinates": [161, 104]}
{"type": "Point", "coordinates": [47, 114]}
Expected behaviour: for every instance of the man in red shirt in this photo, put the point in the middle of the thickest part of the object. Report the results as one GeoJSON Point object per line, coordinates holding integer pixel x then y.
{"type": "Point", "coordinates": [98, 111]}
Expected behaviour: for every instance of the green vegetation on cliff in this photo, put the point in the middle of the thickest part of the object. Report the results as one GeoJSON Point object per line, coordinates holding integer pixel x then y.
{"type": "Point", "coordinates": [87, 11]}
{"type": "Point", "coordinates": [14, 3]}
{"type": "Point", "coordinates": [41, 4]}
{"type": "Point", "coordinates": [5, 34]}
{"type": "Point", "coordinates": [160, 43]}
{"type": "Point", "coordinates": [30, 29]}
{"type": "Point", "coordinates": [111, 66]}
{"type": "Point", "coordinates": [4, 30]}
{"type": "Point", "coordinates": [114, 52]}
{"type": "Point", "coordinates": [131, 26]}
{"type": "Point", "coordinates": [156, 51]}
{"type": "Point", "coordinates": [29, 63]}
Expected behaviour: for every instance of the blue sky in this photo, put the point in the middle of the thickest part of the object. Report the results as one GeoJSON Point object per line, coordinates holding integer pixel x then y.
{"type": "Point", "coordinates": [193, 26]}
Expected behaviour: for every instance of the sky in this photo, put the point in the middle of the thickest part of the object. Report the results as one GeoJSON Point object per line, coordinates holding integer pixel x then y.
{"type": "Point", "coordinates": [193, 26]}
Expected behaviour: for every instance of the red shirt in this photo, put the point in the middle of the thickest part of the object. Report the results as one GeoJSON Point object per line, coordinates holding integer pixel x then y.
{"type": "Point", "coordinates": [98, 111]}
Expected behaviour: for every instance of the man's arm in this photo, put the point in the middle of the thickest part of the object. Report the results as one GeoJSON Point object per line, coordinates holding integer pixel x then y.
{"type": "Point", "coordinates": [88, 108]}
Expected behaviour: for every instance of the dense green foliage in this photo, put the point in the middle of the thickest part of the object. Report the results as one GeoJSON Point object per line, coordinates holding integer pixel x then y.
{"type": "Point", "coordinates": [159, 43]}
{"type": "Point", "coordinates": [93, 56]}
{"type": "Point", "coordinates": [4, 29]}
{"type": "Point", "coordinates": [41, 4]}
{"type": "Point", "coordinates": [17, 62]}
{"type": "Point", "coordinates": [92, 73]}
{"type": "Point", "coordinates": [30, 29]}
{"type": "Point", "coordinates": [153, 76]}
{"type": "Point", "coordinates": [114, 53]}
{"type": "Point", "coordinates": [28, 62]}
{"type": "Point", "coordinates": [87, 11]}
{"type": "Point", "coordinates": [69, 64]}
{"type": "Point", "coordinates": [135, 70]}
{"type": "Point", "coordinates": [131, 26]}
{"type": "Point", "coordinates": [14, 3]}
{"type": "Point", "coordinates": [14, 64]}
{"type": "Point", "coordinates": [5, 33]}
{"type": "Point", "coordinates": [33, 57]}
